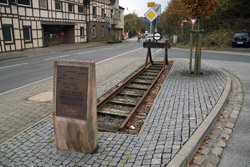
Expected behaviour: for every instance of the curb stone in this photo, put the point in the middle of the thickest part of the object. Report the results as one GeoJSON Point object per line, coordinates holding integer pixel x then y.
{"type": "Point", "coordinates": [185, 155]}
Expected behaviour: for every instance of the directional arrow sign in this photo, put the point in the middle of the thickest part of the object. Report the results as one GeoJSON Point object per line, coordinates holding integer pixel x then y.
{"type": "Point", "coordinates": [151, 15]}
{"type": "Point", "coordinates": [193, 21]}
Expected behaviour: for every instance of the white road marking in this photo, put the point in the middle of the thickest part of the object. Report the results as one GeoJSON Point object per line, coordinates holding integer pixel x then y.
{"type": "Point", "coordinates": [56, 57]}
{"type": "Point", "coordinates": [106, 49]}
{"type": "Point", "coordinates": [13, 65]}
{"type": "Point", "coordinates": [117, 56]}
{"type": "Point", "coordinates": [85, 52]}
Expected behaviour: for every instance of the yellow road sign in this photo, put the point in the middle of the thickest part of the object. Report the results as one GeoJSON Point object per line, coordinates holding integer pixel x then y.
{"type": "Point", "coordinates": [151, 4]}
{"type": "Point", "coordinates": [151, 15]}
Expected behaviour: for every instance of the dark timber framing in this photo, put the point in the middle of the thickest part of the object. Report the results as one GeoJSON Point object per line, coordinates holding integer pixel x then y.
{"type": "Point", "coordinates": [38, 18]}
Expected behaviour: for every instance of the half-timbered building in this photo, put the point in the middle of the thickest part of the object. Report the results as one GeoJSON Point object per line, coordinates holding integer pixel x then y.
{"type": "Point", "coordinates": [39, 23]}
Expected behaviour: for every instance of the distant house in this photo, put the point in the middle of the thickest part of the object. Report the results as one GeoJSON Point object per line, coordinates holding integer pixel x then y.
{"type": "Point", "coordinates": [39, 23]}
{"type": "Point", "coordinates": [117, 21]}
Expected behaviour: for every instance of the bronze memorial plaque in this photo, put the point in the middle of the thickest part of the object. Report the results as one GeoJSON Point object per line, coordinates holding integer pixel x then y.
{"type": "Point", "coordinates": [71, 92]}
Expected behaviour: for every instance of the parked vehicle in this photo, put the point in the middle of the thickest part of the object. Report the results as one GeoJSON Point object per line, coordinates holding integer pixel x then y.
{"type": "Point", "coordinates": [150, 37]}
{"type": "Point", "coordinates": [241, 39]}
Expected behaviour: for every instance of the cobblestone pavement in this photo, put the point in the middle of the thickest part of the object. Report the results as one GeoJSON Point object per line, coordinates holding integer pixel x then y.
{"type": "Point", "coordinates": [211, 150]}
{"type": "Point", "coordinates": [181, 106]}
{"type": "Point", "coordinates": [17, 113]}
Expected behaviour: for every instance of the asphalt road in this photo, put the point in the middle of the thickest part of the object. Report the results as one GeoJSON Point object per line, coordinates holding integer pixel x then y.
{"type": "Point", "coordinates": [19, 72]}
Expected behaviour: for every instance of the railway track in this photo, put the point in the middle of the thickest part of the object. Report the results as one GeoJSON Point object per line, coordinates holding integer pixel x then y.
{"type": "Point", "coordinates": [120, 107]}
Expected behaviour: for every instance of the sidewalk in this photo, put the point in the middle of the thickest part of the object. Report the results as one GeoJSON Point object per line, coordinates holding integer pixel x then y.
{"type": "Point", "coordinates": [182, 105]}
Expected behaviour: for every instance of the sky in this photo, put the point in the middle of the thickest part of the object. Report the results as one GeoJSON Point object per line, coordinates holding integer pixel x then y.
{"type": "Point", "coordinates": [140, 6]}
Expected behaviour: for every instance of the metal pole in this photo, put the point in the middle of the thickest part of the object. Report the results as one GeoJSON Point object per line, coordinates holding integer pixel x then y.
{"type": "Point", "coordinates": [150, 28]}
{"type": "Point", "coordinates": [199, 61]}
{"type": "Point", "coordinates": [191, 52]}
{"type": "Point", "coordinates": [156, 25]}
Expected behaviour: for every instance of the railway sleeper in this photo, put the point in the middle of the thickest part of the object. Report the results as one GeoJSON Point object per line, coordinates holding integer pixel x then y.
{"type": "Point", "coordinates": [143, 81]}
{"type": "Point", "coordinates": [107, 127]}
{"type": "Point", "coordinates": [132, 93]}
{"type": "Point", "coordinates": [155, 68]}
{"type": "Point", "coordinates": [115, 112]}
{"type": "Point", "coordinates": [157, 63]}
{"type": "Point", "coordinates": [122, 113]}
{"type": "Point", "coordinates": [138, 86]}
{"type": "Point", "coordinates": [146, 77]}
{"type": "Point", "coordinates": [153, 71]}
{"type": "Point", "coordinates": [150, 73]}
{"type": "Point", "coordinates": [124, 101]}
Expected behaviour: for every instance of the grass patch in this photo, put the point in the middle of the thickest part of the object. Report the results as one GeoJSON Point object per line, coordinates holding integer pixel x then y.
{"type": "Point", "coordinates": [50, 141]}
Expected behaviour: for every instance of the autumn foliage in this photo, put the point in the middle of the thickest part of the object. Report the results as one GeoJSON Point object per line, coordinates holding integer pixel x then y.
{"type": "Point", "coordinates": [199, 8]}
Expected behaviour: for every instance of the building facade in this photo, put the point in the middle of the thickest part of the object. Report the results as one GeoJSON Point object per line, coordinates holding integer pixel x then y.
{"type": "Point", "coordinates": [98, 20]}
{"type": "Point", "coordinates": [39, 23]}
{"type": "Point", "coordinates": [117, 21]}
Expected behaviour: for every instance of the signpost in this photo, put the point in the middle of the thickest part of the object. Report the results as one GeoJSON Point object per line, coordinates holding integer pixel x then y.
{"type": "Point", "coordinates": [151, 15]}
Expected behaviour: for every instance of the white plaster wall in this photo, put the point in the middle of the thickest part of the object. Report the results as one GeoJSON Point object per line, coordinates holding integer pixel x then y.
{"type": "Point", "coordinates": [21, 11]}
{"type": "Point", "coordinates": [29, 12]}
{"type": "Point", "coordinates": [6, 21]}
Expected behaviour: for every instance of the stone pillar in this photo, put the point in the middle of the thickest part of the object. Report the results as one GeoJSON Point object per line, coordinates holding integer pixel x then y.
{"type": "Point", "coordinates": [74, 106]}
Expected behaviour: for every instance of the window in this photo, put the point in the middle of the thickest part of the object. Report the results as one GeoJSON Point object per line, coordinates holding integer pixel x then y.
{"type": "Point", "coordinates": [119, 15]}
{"type": "Point", "coordinates": [4, 2]}
{"type": "Point", "coordinates": [43, 4]}
{"type": "Point", "coordinates": [103, 13]}
{"type": "Point", "coordinates": [111, 13]}
{"type": "Point", "coordinates": [24, 2]}
{"type": "Point", "coordinates": [81, 9]}
{"type": "Point", "coordinates": [58, 5]}
{"type": "Point", "coordinates": [94, 11]}
{"type": "Point", "coordinates": [102, 31]}
{"type": "Point", "coordinates": [7, 33]}
{"type": "Point", "coordinates": [71, 8]}
{"type": "Point", "coordinates": [94, 31]}
{"type": "Point", "coordinates": [82, 31]}
{"type": "Point", "coordinates": [27, 34]}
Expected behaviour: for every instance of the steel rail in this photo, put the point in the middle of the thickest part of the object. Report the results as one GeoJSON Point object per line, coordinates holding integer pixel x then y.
{"type": "Point", "coordinates": [117, 90]}
{"type": "Point", "coordinates": [132, 113]}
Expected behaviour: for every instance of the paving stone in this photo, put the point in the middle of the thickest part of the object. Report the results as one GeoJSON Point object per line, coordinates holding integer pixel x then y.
{"type": "Point", "coordinates": [205, 150]}
{"type": "Point", "coordinates": [225, 136]}
{"type": "Point", "coordinates": [199, 159]}
{"type": "Point", "coordinates": [213, 159]}
{"type": "Point", "coordinates": [230, 125]}
{"type": "Point", "coordinates": [217, 151]}
{"type": "Point", "coordinates": [227, 131]}
{"type": "Point", "coordinates": [156, 161]}
{"type": "Point", "coordinates": [221, 143]}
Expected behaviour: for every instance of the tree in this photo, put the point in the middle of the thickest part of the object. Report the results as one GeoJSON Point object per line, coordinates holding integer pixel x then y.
{"type": "Point", "coordinates": [199, 8]}
{"type": "Point", "coordinates": [132, 23]}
